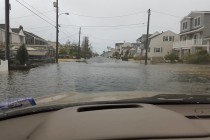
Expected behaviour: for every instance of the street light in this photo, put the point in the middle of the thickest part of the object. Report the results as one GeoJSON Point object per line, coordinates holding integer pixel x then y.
{"type": "Point", "coordinates": [58, 17]}
{"type": "Point", "coordinates": [55, 4]}
{"type": "Point", "coordinates": [63, 14]}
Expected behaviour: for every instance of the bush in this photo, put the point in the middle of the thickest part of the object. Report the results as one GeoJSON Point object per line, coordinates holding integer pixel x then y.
{"type": "Point", "coordinates": [172, 57]}
{"type": "Point", "coordinates": [22, 55]}
{"type": "Point", "coordinates": [201, 57]}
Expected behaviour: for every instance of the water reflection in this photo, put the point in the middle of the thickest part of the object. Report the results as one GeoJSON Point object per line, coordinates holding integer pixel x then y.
{"type": "Point", "coordinates": [99, 76]}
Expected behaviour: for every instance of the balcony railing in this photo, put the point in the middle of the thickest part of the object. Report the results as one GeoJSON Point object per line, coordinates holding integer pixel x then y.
{"type": "Point", "coordinates": [187, 43]}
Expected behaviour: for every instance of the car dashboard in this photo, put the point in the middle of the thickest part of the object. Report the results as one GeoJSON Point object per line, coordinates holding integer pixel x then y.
{"type": "Point", "coordinates": [113, 122]}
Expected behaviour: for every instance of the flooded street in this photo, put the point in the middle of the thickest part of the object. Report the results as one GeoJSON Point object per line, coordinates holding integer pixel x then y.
{"type": "Point", "coordinates": [105, 75]}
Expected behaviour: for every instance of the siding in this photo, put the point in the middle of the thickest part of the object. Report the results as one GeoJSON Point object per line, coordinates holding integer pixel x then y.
{"type": "Point", "coordinates": [206, 32]}
{"type": "Point", "coordinates": [188, 25]}
{"type": "Point", "coordinates": [157, 42]}
{"type": "Point", "coordinates": [15, 39]}
{"type": "Point", "coordinates": [190, 22]}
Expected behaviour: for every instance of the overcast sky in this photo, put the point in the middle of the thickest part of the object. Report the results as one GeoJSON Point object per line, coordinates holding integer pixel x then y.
{"type": "Point", "coordinates": [106, 22]}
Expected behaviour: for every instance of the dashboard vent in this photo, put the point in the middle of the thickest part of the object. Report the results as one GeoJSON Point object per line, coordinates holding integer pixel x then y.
{"type": "Point", "coordinates": [106, 107]}
{"type": "Point", "coordinates": [199, 117]}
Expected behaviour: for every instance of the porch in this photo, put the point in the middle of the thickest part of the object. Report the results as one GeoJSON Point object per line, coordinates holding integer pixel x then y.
{"type": "Point", "coordinates": [191, 46]}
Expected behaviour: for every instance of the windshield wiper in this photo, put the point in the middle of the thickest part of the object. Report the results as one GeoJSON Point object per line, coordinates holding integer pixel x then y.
{"type": "Point", "coordinates": [172, 99]}
{"type": "Point", "coordinates": [169, 99]}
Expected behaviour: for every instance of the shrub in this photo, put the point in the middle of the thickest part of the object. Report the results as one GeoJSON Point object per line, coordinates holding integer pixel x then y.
{"type": "Point", "coordinates": [201, 57]}
{"type": "Point", "coordinates": [22, 55]}
{"type": "Point", "coordinates": [172, 56]}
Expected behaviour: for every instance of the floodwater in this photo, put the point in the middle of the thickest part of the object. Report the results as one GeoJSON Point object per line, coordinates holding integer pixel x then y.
{"type": "Point", "coordinates": [105, 75]}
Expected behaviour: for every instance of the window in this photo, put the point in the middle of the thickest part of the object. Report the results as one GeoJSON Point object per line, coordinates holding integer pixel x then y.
{"type": "Point", "coordinates": [197, 21]}
{"type": "Point", "coordinates": [168, 38]}
{"type": "Point", "coordinates": [184, 38]}
{"type": "Point", "coordinates": [184, 25]}
{"type": "Point", "coordinates": [171, 38]}
{"type": "Point", "coordinates": [165, 38]}
{"type": "Point", "coordinates": [157, 50]}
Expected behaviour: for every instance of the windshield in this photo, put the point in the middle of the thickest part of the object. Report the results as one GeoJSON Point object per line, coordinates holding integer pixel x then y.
{"type": "Point", "coordinates": [58, 52]}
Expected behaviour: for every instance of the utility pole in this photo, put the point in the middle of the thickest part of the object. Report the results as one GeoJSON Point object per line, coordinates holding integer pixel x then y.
{"type": "Point", "coordinates": [85, 48]}
{"type": "Point", "coordinates": [147, 42]}
{"type": "Point", "coordinates": [7, 33]}
{"type": "Point", "coordinates": [57, 31]}
{"type": "Point", "coordinates": [79, 43]}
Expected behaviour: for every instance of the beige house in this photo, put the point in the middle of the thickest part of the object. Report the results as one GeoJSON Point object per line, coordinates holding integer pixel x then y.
{"type": "Point", "coordinates": [161, 44]}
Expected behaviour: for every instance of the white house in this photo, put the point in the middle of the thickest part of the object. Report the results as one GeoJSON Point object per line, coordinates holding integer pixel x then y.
{"type": "Point", "coordinates": [122, 48]}
{"type": "Point", "coordinates": [161, 44]}
{"type": "Point", "coordinates": [16, 38]}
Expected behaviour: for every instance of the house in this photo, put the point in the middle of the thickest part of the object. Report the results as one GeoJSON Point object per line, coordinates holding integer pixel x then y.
{"type": "Point", "coordinates": [17, 38]}
{"type": "Point", "coordinates": [142, 40]}
{"type": "Point", "coordinates": [122, 48]}
{"type": "Point", "coordinates": [194, 33]}
{"type": "Point", "coordinates": [36, 46]}
{"type": "Point", "coordinates": [161, 44]}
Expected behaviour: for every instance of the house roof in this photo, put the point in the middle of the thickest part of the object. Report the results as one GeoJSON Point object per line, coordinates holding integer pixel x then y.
{"type": "Point", "coordinates": [16, 30]}
{"type": "Point", "coordinates": [144, 36]}
{"type": "Point", "coordinates": [33, 35]}
{"type": "Point", "coordinates": [2, 26]}
{"type": "Point", "coordinates": [200, 12]}
{"type": "Point", "coordinates": [155, 34]}
{"type": "Point", "coordinates": [117, 44]}
{"type": "Point", "coordinates": [191, 31]}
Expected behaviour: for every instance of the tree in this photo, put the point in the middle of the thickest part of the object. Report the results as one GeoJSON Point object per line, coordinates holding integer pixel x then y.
{"type": "Point", "coordinates": [86, 48]}
{"type": "Point", "coordinates": [22, 54]}
{"type": "Point", "coordinates": [64, 51]}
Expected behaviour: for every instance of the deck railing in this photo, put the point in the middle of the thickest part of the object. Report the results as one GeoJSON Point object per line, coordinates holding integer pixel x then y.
{"type": "Point", "coordinates": [188, 43]}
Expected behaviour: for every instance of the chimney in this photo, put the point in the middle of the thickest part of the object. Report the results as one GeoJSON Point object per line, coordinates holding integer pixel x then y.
{"type": "Point", "coordinates": [21, 27]}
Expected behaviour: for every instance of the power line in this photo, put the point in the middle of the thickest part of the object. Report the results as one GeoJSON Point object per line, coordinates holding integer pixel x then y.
{"type": "Point", "coordinates": [105, 26]}
{"type": "Point", "coordinates": [47, 18]}
{"type": "Point", "coordinates": [28, 15]}
{"type": "Point", "coordinates": [68, 36]}
{"type": "Point", "coordinates": [100, 38]}
{"type": "Point", "coordinates": [35, 13]}
{"type": "Point", "coordinates": [167, 14]}
{"type": "Point", "coordinates": [39, 27]}
{"type": "Point", "coordinates": [38, 11]}
{"type": "Point", "coordinates": [77, 27]}
{"type": "Point", "coordinates": [118, 16]}
{"type": "Point", "coordinates": [116, 28]}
